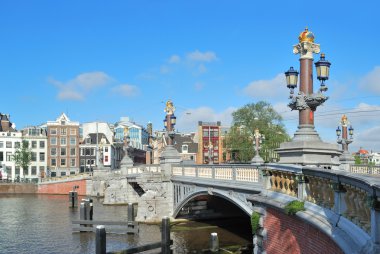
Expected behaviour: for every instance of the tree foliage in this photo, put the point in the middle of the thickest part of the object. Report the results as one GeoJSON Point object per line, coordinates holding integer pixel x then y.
{"type": "Point", "coordinates": [260, 115]}
{"type": "Point", "coordinates": [23, 156]}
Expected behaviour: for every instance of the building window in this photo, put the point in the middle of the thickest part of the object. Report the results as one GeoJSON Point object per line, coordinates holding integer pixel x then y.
{"type": "Point", "coordinates": [72, 151]}
{"type": "Point", "coordinates": [73, 132]}
{"type": "Point", "coordinates": [9, 144]}
{"type": "Point", "coordinates": [63, 162]}
{"type": "Point", "coordinates": [1, 156]}
{"type": "Point", "coordinates": [63, 131]}
{"type": "Point", "coordinates": [9, 156]}
{"type": "Point", "coordinates": [63, 151]}
{"type": "Point", "coordinates": [34, 170]}
{"type": "Point", "coordinates": [53, 131]}
{"type": "Point", "coordinates": [53, 162]}
{"type": "Point", "coordinates": [53, 141]}
{"type": "Point", "coordinates": [53, 151]}
{"type": "Point", "coordinates": [34, 156]}
{"type": "Point", "coordinates": [1, 144]}
{"type": "Point", "coordinates": [17, 171]}
{"type": "Point", "coordinates": [17, 144]}
{"type": "Point", "coordinates": [106, 149]}
{"type": "Point", "coordinates": [73, 141]}
{"type": "Point", "coordinates": [185, 148]}
{"type": "Point", "coordinates": [42, 170]}
{"type": "Point", "coordinates": [34, 144]}
{"type": "Point", "coordinates": [106, 158]}
{"type": "Point", "coordinates": [72, 162]}
{"type": "Point", "coordinates": [42, 144]}
{"type": "Point", "coordinates": [42, 156]}
{"type": "Point", "coordinates": [63, 141]}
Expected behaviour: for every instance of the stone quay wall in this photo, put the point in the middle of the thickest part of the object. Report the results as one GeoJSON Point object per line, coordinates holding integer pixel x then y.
{"type": "Point", "coordinates": [288, 234]}
{"type": "Point", "coordinates": [62, 187]}
{"type": "Point", "coordinates": [18, 188]}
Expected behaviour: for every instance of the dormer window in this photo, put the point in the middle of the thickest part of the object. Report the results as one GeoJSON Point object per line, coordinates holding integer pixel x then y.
{"type": "Point", "coordinates": [88, 140]}
{"type": "Point", "coordinates": [185, 148]}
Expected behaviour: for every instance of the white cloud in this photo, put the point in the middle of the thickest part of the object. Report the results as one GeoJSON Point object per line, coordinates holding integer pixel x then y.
{"type": "Point", "coordinates": [80, 86]}
{"type": "Point", "coordinates": [174, 59]}
{"type": "Point", "coordinates": [198, 56]}
{"type": "Point", "coordinates": [126, 90]}
{"type": "Point", "coordinates": [369, 139]}
{"type": "Point", "coordinates": [371, 81]}
{"type": "Point", "coordinates": [188, 121]}
{"type": "Point", "coordinates": [272, 88]}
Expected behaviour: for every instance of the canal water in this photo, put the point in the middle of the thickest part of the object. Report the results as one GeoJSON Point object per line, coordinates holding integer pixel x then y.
{"type": "Point", "coordinates": [42, 224]}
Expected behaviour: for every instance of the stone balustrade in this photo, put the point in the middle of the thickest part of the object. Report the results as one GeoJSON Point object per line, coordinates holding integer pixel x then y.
{"type": "Point", "coordinates": [365, 169]}
{"type": "Point", "coordinates": [242, 173]}
{"type": "Point", "coordinates": [144, 168]}
{"type": "Point", "coordinates": [353, 196]}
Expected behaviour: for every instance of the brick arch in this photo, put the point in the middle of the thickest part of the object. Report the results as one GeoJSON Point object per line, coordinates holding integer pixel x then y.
{"type": "Point", "coordinates": [288, 234]}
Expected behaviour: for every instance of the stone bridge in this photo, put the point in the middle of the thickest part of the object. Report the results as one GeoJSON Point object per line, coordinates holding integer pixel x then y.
{"type": "Point", "coordinates": [342, 209]}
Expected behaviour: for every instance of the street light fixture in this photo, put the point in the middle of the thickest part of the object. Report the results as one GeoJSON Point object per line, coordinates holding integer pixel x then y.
{"type": "Point", "coordinates": [323, 71]}
{"type": "Point", "coordinates": [291, 80]}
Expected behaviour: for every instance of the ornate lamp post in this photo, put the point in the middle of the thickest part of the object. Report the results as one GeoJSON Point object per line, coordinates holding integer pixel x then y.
{"type": "Point", "coordinates": [306, 147]}
{"type": "Point", "coordinates": [170, 154]}
{"type": "Point", "coordinates": [258, 139]}
{"type": "Point", "coordinates": [346, 157]}
{"type": "Point", "coordinates": [126, 161]}
{"type": "Point", "coordinates": [210, 153]}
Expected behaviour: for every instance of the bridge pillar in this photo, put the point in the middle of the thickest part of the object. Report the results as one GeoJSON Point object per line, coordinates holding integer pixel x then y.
{"type": "Point", "coordinates": [375, 223]}
{"type": "Point", "coordinates": [339, 202]}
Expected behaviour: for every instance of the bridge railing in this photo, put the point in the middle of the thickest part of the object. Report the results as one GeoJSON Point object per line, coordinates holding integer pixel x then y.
{"type": "Point", "coordinates": [353, 196]}
{"type": "Point", "coordinates": [365, 169]}
{"type": "Point", "coordinates": [143, 168]}
{"type": "Point", "coordinates": [243, 173]}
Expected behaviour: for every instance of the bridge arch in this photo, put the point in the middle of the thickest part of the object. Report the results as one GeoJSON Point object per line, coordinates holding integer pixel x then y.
{"type": "Point", "coordinates": [238, 199]}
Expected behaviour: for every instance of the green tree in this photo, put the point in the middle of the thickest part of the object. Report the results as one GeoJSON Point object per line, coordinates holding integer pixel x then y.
{"type": "Point", "coordinates": [23, 156]}
{"type": "Point", "coordinates": [260, 115]}
{"type": "Point", "coordinates": [358, 161]}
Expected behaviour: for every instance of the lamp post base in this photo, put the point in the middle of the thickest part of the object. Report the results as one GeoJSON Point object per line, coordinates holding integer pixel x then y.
{"type": "Point", "coordinates": [257, 160]}
{"type": "Point", "coordinates": [170, 155]}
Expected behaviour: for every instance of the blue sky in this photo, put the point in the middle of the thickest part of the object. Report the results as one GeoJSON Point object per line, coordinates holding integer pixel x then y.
{"type": "Point", "coordinates": [100, 60]}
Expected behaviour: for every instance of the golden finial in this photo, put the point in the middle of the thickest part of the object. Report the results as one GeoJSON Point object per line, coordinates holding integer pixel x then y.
{"type": "Point", "coordinates": [344, 120]}
{"type": "Point", "coordinates": [306, 36]}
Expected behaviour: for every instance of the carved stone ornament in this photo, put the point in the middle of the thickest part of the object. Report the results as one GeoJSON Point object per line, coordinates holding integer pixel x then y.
{"type": "Point", "coordinates": [306, 49]}
{"type": "Point", "coordinates": [302, 101]}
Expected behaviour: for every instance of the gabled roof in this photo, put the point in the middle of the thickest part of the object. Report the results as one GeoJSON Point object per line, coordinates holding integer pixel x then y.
{"type": "Point", "coordinates": [5, 123]}
{"type": "Point", "coordinates": [180, 140]}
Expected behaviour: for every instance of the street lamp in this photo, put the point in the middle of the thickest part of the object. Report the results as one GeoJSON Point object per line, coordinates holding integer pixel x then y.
{"type": "Point", "coordinates": [306, 101]}
{"type": "Point", "coordinates": [306, 147]}
{"type": "Point", "coordinates": [345, 140]}
{"type": "Point", "coordinates": [170, 121]}
{"type": "Point", "coordinates": [258, 139]}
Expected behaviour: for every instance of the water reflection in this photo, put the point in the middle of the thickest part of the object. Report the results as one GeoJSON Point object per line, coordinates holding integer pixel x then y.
{"type": "Point", "coordinates": [42, 224]}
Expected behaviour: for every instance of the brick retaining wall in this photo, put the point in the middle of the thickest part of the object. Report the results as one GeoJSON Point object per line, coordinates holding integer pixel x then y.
{"type": "Point", "coordinates": [18, 188]}
{"type": "Point", "coordinates": [288, 234]}
{"type": "Point", "coordinates": [62, 187]}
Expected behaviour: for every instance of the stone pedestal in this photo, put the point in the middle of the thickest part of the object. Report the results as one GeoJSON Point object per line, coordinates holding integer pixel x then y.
{"type": "Point", "coordinates": [257, 160]}
{"type": "Point", "coordinates": [170, 155]}
{"type": "Point", "coordinates": [346, 159]}
{"type": "Point", "coordinates": [306, 148]}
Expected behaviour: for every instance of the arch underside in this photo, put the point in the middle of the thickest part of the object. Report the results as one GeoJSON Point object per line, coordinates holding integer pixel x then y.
{"type": "Point", "coordinates": [185, 193]}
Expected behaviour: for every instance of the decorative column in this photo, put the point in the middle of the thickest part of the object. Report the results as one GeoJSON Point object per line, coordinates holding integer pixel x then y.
{"type": "Point", "coordinates": [346, 158]}
{"type": "Point", "coordinates": [306, 147]}
{"type": "Point", "coordinates": [170, 154]}
{"type": "Point", "coordinates": [257, 140]}
{"type": "Point", "coordinates": [126, 161]}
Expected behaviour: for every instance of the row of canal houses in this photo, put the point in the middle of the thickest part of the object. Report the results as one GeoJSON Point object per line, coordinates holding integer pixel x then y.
{"type": "Point", "coordinates": [63, 147]}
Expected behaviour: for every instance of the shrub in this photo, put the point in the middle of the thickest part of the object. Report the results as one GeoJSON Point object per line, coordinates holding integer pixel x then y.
{"type": "Point", "coordinates": [294, 206]}
{"type": "Point", "coordinates": [255, 222]}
